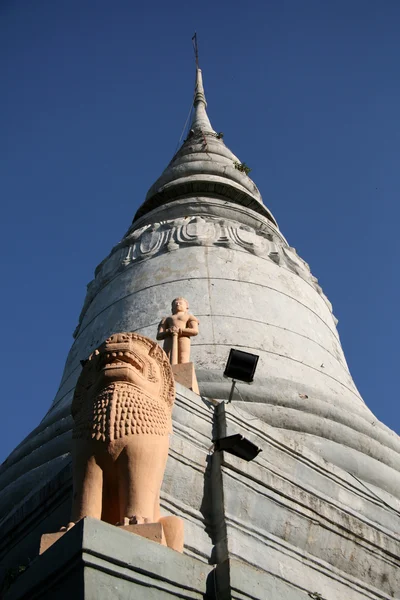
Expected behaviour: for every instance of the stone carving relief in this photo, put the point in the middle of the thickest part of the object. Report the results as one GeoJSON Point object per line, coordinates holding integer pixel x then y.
{"type": "Point", "coordinates": [166, 236]}
{"type": "Point", "coordinates": [122, 409]}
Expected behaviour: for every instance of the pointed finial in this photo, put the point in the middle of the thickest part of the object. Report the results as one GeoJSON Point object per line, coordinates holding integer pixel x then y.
{"type": "Point", "coordinates": [199, 90]}
{"type": "Point", "coordinates": [196, 49]}
{"type": "Point", "coordinates": [200, 118]}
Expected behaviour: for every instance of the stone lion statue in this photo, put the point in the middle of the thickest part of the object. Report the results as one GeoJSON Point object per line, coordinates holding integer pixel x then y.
{"type": "Point", "coordinates": [122, 412]}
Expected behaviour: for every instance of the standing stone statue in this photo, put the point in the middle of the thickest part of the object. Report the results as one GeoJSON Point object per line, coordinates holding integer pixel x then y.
{"type": "Point", "coordinates": [176, 331]}
{"type": "Point", "coordinates": [122, 411]}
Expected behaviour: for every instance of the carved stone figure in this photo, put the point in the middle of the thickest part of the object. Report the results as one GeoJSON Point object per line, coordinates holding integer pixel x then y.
{"type": "Point", "coordinates": [176, 331]}
{"type": "Point", "coordinates": [122, 411]}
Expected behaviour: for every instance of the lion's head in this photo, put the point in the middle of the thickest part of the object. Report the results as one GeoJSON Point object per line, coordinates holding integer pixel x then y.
{"type": "Point", "coordinates": [130, 358]}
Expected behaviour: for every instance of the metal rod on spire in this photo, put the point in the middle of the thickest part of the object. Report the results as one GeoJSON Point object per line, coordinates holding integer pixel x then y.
{"type": "Point", "coordinates": [196, 49]}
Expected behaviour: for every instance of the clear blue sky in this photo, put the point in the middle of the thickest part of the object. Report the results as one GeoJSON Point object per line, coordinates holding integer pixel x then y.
{"type": "Point", "coordinates": [94, 96]}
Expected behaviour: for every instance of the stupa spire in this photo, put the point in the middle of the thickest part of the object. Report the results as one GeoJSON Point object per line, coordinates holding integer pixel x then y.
{"type": "Point", "coordinates": [204, 165]}
{"type": "Point", "coordinates": [200, 118]}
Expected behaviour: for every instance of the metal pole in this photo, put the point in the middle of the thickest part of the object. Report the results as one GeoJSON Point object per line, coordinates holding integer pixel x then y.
{"type": "Point", "coordinates": [232, 390]}
{"type": "Point", "coordinates": [196, 49]}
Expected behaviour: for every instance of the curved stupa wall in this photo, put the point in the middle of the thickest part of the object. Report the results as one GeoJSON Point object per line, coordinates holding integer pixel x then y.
{"type": "Point", "coordinates": [204, 233]}
{"type": "Point", "coordinates": [249, 290]}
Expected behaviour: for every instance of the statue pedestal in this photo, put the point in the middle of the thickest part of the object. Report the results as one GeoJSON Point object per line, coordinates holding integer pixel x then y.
{"type": "Point", "coordinates": [48, 539]}
{"type": "Point", "coordinates": [98, 561]}
{"type": "Point", "coordinates": [150, 531]}
{"type": "Point", "coordinates": [185, 375]}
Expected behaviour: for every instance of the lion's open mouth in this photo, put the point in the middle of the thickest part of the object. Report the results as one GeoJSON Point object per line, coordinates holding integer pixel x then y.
{"type": "Point", "coordinates": [115, 359]}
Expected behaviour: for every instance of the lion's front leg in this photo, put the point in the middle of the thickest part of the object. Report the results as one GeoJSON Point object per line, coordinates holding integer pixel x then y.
{"type": "Point", "coordinates": [87, 482]}
{"type": "Point", "coordinates": [141, 466]}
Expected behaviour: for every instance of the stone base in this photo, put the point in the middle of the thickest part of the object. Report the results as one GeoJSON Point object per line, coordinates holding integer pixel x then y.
{"type": "Point", "coordinates": [150, 531]}
{"type": "Point", "coordinates": [98, 561]}
{"type": "Point", "coordinates": [186, 376]}
{"type": "Point", "coordinates": [48, 539]}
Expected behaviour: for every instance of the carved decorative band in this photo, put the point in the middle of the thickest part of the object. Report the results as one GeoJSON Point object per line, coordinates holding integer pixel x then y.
{"type": "Point", "coordinates": [165, 236]}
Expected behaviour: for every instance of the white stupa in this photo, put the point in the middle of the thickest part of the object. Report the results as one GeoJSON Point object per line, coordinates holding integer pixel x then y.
{"type": "Point", "coordinates": [203, 232]}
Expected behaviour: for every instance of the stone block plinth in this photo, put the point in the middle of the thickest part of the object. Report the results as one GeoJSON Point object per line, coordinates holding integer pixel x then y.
{"type": "Point", "coordinates": [98, 561]}
{"type": "Point", "coordinates": [185, 375]}
{"type": "Point", "coordinates": [151, 531]}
